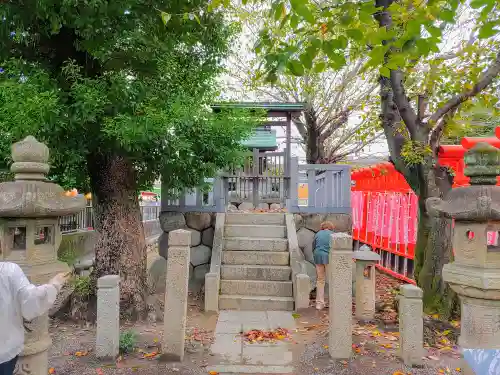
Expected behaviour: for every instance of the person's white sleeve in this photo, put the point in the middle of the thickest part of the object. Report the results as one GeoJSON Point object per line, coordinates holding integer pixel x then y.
{"type": "Point", "coordinates": [34, 300]}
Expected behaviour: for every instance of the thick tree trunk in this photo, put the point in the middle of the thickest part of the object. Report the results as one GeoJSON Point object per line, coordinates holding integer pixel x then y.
{"type": "Point", "coordinates": [315, 149]}
{"type": "Point", "coordinates": [121, 246]}
{"type": "Point", "coordinates": [434, 250]}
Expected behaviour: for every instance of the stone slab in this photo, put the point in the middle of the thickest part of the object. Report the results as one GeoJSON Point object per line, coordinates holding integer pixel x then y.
{"type": "Point", "coordinates": [257, 288]}
{"type": "Point", "coordinates": [259, 219]}
{"type": "Point", "coordinates": [255, 244]}
{"type": "Point", "coordinates": [255, 303]}
{"type": "Point", "coordinates": [241, 316]}
{"type": "Point", "coordinates": [266, 355]}
{"type": "Point", "coordinates": [255, 231]}
{"type": "Point", "coordinates": [366, 256]}
{"type": "Point", "coordinates": [234, 328]}
{"type": "Point", "coordinates": [227, 348]}
{"type": "Point", "coordinates": [256, 272]}
{"type": "Point", "coordinates": [256, 257]}
{"type": "Point", "coordinates": [341, 241]}
{"type": "Point", "coordinates": [281, 319]}
{"type": "Point", "coordinates": [249, 369]}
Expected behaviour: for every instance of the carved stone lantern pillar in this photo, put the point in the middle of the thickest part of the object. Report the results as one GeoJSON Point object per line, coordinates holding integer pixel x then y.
{"type": "Point", "coordinates": [475, 272]}
{"type": "Point", "coordinates": [30, 208]}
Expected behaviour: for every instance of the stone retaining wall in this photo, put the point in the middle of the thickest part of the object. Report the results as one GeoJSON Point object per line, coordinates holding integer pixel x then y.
{"type": "Point", "coordinates": [307, 225]}
{"type": "Point", "coordinates": [201, 225]}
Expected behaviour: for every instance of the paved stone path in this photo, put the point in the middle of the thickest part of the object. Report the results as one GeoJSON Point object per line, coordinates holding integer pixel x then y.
{"type": "Point", "coordinates": [231, 355]}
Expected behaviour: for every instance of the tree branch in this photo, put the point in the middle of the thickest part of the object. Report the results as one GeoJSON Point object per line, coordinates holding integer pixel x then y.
{"type": "Point", "coordinates": [488, 76]}
{"type": "Point", "coordinates": [404, 107]}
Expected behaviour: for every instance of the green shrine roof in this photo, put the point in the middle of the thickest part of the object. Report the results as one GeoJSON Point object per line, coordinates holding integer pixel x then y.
{"type": "Point", "coordinates": [269, 106]}
{"type": "Point", "coordinates": [263, 139]}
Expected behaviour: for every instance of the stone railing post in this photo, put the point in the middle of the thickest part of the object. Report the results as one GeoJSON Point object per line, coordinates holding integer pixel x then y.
{"type": "Point", "coordinates": [340, 293]}
{"type": "Point", "coordinates": [365, 284]}
{"type": "Point", "coordinates": [108, 317]}
{"type": "Point", "coordinates": [411, 325]}
{"type": "Point", "coordinates": [176, 294]}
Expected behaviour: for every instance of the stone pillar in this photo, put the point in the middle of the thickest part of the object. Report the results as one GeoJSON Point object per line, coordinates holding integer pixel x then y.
{"type": "Point", "coordinates": [176, 294]}
{"type": "Point", "coordinates": [365, 284]}
{"type": "Point", "coordinates": [108, 317]}
{"type": "Point", "coordinates": [475, 272]}
{"type": "Point", "coordinates": [302, 289]}
{"type": "Point", "coordinates": [340, 293]}
{"type": "Point", "coordinates": [30, 236]}
{"type": "Point", "coordinates": [212, 286]}
{"type": "Point", "coordinates": [411, 325]}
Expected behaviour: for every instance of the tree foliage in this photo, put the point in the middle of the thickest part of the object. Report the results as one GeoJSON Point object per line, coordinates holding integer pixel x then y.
{"type": "Point", "coordinates": [417, 105]}
{"type": "Point", "coordinates": [121, 97]}
{"type": "Point", "coordinates": [340, 117]}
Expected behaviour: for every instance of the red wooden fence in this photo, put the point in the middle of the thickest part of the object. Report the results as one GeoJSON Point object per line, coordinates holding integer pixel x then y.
{"type": "Point", "coordinates": [385, 209]}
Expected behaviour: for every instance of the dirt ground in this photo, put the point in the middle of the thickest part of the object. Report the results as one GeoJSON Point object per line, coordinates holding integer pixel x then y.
{"type": "Point", "coordinates": [375, 345]}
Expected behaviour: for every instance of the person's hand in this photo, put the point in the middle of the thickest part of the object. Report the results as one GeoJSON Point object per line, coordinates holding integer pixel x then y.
{"type": "Point", "coordinates": [60, 279]}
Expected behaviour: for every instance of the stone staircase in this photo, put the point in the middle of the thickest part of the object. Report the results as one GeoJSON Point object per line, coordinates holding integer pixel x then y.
{"type": "Point", "coordinates": [255, 270]}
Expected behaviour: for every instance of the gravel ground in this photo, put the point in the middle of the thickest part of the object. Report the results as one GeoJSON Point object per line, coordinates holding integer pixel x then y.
{"type": "Point", "coordinates": [375, 344]}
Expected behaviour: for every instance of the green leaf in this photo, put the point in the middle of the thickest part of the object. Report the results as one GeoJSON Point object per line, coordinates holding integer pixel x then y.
{"type": "Point", "coordinates": [165, 17]}
{"type": "Point", "coordinates": [296, 68]}
{"type": "Point", "coordinates": [306, 60]}
{"type": "Point", "coordinates": [434, 31]}
{"type": "Point", "coordinates": [488, 30]}
{"type": "Point", "coordinates": [294, 21]}
{"type": "Point", "coordinates": [355, 34]}
{"type": "Point", "coordinates": [337, 60]}
{"type": "Point", "coordinates": [447, 15]}
{"type": "Point", "coordinates": [305, 13]}
{"type": "Point", "coordinates": [196, 18]}
{"type": "Point", "coordinates": [423, 46]}
{"type": "Point", "coordinates": [319, 67]}
{"type": "Point", "coordinates": [385, 72]}
{"type": "Point", "coordinates": [278, 11]}
{"type": "Point", "coordinates": [476, 4]}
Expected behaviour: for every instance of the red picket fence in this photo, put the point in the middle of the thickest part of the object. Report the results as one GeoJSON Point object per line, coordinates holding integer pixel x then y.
{"type": "Point", "coordinates": [385, 209]}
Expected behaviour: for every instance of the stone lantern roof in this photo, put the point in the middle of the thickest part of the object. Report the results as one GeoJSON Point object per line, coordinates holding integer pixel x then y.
{"type": "Point", "coordinates": [479, 202]}
{"type": "Point", "coordinates": [31, 195]}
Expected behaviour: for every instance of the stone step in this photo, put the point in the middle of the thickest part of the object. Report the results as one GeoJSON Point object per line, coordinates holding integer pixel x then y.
{"type": "Point", "coordinates": [258, 219]}
{"type": "Point", "coordinates": [256, 272]}
{"type": "Point", "coordinates": [257, 288]}
{"type": "Point", "coordinates": [255, 244]}
{"type": "Point", "coordinates": [273, 258]}
{"type": "Point", "coordinates": [254, 230]}
{"type": "Point", "coordinates": [255, 303]}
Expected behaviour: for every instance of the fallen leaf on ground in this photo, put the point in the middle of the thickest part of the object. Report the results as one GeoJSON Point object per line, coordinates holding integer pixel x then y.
{"type": "Point", "coordinates": [296, 316]}
{"type": "Point", "coordinates": [99, 371]}
{"type": "Point", "coordinates": [398, 373]}
{"type": "Point", "coordinates": [433, 357]}
{"type": "Point", "coordinates": [150, 355]}
{"type": "Point", "coordinates": [52, 371]}
{"type": "Point", "coordinates": [213, 373]}
{"type": "Point", "coordinates": [81, 354]}
{"type": "Point", "coordinates": [256, 335]}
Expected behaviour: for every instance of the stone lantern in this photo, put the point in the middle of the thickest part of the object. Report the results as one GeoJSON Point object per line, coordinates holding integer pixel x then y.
{"type": "Point", "coordinates": [30, 208]}
{"type": "Point", "coordinates": [475, 272]}
{"type": "Point", "coordinates": [365, 283]}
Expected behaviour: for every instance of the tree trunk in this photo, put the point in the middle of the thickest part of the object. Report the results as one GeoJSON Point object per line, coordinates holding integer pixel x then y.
{"type": "Point", "coordinates": [315, 150]}
{"type": "Point", "coordinates": [121, 246]}
{"type": "Point", "coordinates": [434, 250]}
